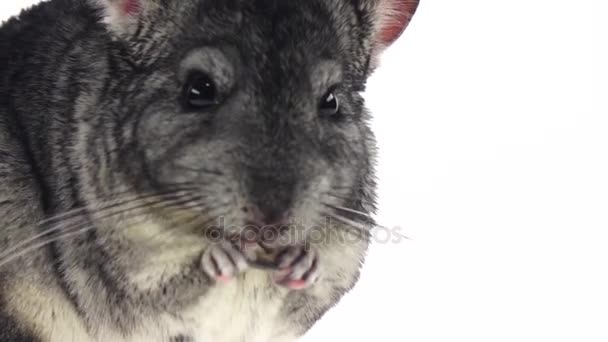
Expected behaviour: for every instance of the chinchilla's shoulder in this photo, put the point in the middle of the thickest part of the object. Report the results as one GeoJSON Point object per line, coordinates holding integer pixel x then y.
{"type": "Point", "coordinates": [44, 26]}
{"type": "Point", "coordinates": [48, 14]}
{"type": "Point", "coordinates": [35, 46]}
{"type": "Point", "coordinates": [32, 45]}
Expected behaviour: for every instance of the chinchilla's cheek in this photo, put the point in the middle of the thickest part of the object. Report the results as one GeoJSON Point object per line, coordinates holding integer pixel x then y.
{"type": "Point", "coordinates": [201, 164]}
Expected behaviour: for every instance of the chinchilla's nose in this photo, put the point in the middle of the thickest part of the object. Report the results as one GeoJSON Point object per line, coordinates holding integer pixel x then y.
{"type": "Point", "coordinates": [271, 198]}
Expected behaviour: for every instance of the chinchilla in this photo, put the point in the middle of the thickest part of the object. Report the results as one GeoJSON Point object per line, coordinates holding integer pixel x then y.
{"type": "Point", "coordinates": [192, 170]}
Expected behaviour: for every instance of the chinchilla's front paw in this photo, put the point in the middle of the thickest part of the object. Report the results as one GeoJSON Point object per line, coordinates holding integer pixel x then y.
{"type": "Point", "coordinates": [298, 268]}
{"type": "Point", "coordinates": [223, 261]}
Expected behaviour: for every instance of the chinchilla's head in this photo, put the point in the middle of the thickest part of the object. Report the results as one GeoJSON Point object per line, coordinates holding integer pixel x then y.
{"type": "Point", "coordinates": [243, 112]}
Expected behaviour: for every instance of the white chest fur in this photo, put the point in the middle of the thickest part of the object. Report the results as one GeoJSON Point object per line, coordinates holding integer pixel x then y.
{"type": "Point", "coordinates": [239, 311]}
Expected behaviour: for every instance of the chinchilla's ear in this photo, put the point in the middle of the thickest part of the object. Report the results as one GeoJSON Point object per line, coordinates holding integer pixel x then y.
{"type": "Point", "coordinates": [122, 16]}
{"type": "Point", "coordinates": [389, 18]}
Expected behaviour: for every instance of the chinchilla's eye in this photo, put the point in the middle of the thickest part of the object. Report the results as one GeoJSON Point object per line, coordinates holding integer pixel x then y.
{"type": "Point", "coordinates": [200, 91]}
{"type": "Point", "coordinates": [330, 105]}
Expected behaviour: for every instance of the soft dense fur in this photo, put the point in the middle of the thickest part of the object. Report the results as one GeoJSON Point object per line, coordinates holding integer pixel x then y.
{"type": "Point", "coordinates": [109, 185]}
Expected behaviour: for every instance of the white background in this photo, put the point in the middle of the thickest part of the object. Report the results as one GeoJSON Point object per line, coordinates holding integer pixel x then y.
{"type": "Point", "coordinates": [492, 123]}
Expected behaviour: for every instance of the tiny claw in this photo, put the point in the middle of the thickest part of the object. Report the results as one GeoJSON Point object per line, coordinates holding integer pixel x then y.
{"type": "Point", "coordinates": [223, 262]}
{"type": "Point", "coordinates": [224, 279]}
{"type": "Point", "coordinates": [298, 269]}
{"type": "Point", "coordinates": [296, 284]}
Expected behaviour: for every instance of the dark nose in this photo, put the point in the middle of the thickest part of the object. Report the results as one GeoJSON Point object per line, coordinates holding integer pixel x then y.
{"type": "Point", "coordinates": [271, 198]}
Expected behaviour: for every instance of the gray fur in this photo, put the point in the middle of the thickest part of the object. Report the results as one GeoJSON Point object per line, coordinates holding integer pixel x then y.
{"type": "Point", "coordinates": [92, 114]}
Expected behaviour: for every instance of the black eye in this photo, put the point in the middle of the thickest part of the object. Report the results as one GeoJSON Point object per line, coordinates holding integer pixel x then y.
{"type": "Point", "coordinates": [200, 91]}
{"type": "Point", "coordinates": [330, 105]}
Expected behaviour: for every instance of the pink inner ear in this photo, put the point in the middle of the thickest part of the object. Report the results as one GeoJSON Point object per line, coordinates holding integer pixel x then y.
{"type": "Point", "coordinates": [401, 12]}
{"type": "Point", "coordinates": [131, 7]}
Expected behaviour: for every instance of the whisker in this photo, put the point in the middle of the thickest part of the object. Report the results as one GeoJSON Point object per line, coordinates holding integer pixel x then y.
{"type": "Point", "coordinates": [352, 211]}
{"type": "Point", "coordinates": [358, 227]}
{"type": "Point", "coordinates": [206, 211]}
{"type": "Point", "coordinates": [73, 214]}
{"type": "Point", "coordinates": [4, 260]}
{"type": "Point", "coordinates": [134, 198]}
{"type": "Point", "coordinates": [352, 199]}
{"type": "Point", "coordinates": [176, 224]}
{"type": "Point", "coordinates": [361, 226]}
{"type": "Point", "coordinates": [77, 228]}
{"type": "Point", "coordinates": [211, 212]}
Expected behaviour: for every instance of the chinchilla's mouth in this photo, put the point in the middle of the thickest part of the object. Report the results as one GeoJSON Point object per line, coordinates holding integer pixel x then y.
{"type": "Point", "coordinates": [265, 235]}
{"type": "Point", "coordinates": [260, 244]}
